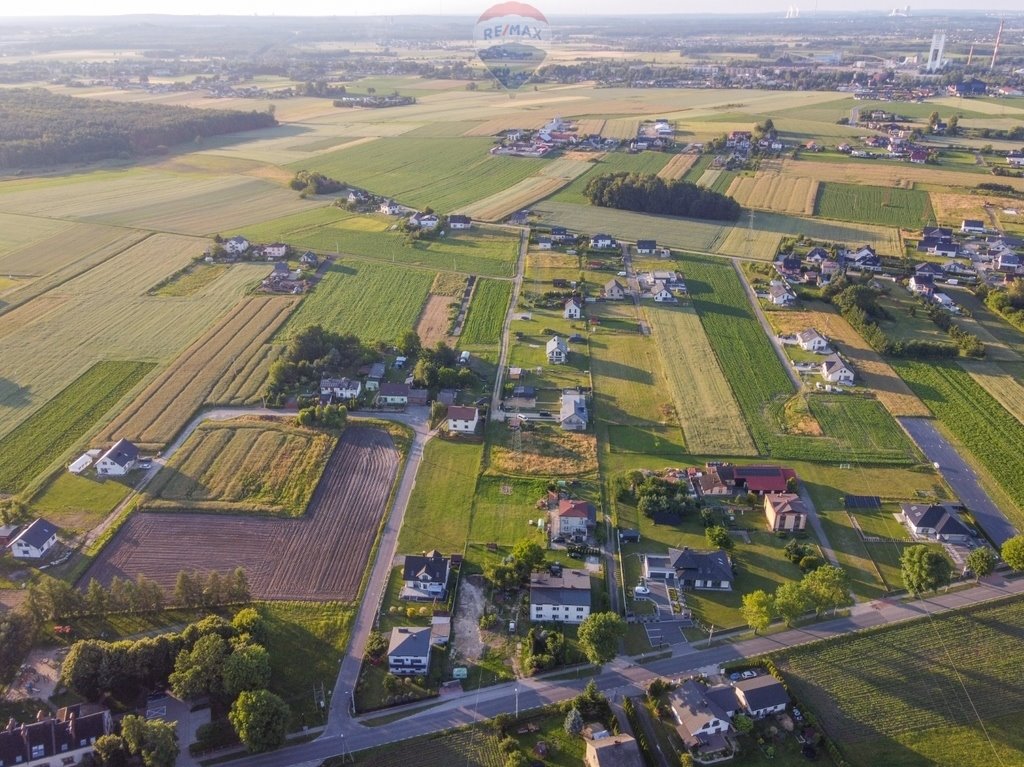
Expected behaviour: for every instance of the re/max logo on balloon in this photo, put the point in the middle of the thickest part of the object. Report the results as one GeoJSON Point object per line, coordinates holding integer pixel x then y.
{"type": "Point", "coordinates": [506, 31]}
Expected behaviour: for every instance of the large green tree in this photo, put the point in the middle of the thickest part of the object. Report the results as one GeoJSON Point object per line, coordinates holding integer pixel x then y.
{"type": "Point", "coordinates": [247, 668]}
{"type": "Point", "coordinates": [154, 741]}
{"type": "Point", "coordinates": [828, 587]}
{"type": "Point", "coordinates": [261, 720]}
{"type": "Point", "coordinates": [111, 751]}
{"type": "Point", "coordinates": [1012, 552]}
{"type": "Point", "coordinates": [757, 610]}
{"type": "Point", "coordinates": [924, 569]}
{"type": "Point", "coordinates": [791, 601]}
{"type": "Point", "coordinates": [599, 636]}
{"type": "Point", "coordinates": [718, 537]}
{"type": "Point", "coordinates": [981, 561]}
{"type": "Point", "coordinates": [199, 671]}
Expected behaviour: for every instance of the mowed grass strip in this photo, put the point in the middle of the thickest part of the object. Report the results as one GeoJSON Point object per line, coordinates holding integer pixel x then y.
{"type": "Point", "coordinates": [53, 429]}
{"type": "Point", "coordinates": [904, 696]}
{"type": "Point", "coordinates": [628, 385]}
{"type": "Point", "coordinates": [707, 409]}
{"type": "Point", "coordinates": [905, 208]}
{"type": "Point", "coordinates": [442, 173]}
{"type": "Point", "coordinates": [441, 505]}
{"type": "Point", "coordinates": [375, 301]}
{"type": "Point", "coordinates": [487, 312]}
{"type": "Point", "coordinates": [975, 418]}
{"type": "Point", "coordinates": [248, 465]}
{"type": "Point", "coordinates": [998, 381]}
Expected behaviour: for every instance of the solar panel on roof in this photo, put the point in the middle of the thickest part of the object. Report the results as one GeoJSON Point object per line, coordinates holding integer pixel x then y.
{"type": "Point", "coordinates": [863, 502]}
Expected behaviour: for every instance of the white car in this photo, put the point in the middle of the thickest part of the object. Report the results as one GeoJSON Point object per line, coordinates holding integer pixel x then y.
{"type": "Point", "coordinates": [748, 675]}
{"type": "Point", "coordinates": [641, 591]}
{"type": "Point", "coordinates": [621, 274]}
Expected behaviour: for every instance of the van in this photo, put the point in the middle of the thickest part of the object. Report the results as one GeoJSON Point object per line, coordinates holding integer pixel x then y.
{"type": "Point", "coordinates": [464, 358]}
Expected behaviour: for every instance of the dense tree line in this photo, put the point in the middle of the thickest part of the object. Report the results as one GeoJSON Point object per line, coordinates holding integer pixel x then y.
{"type": "Point", "coordinates": [314, 353]}
{"type": "Point", "coordinates": [1009, 303]}
{"type": "Point", "coordinates": [39, 128]}
{"type": "Point", "coordinates": [650, 194]}
{"type": "Point", "coordinates": [311, 182]}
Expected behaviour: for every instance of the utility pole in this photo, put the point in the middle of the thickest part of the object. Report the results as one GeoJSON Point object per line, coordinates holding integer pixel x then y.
{"type": "Point", "coordinates": [516, 689]}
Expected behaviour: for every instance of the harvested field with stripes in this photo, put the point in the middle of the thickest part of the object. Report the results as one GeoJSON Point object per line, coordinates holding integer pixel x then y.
{"type": "Point", "coordinates": [225, 352]}
{"type": "Point", "coordinates": [507, 122]}
{"type": "Point", "coordinates": [548, 180]}
{"type": "Point", "coordinates": [319, 557]}
{"type": "Point", "coordinates": [677, 166]}
{"type": "Point", "coordinates": [621, 128]}
{"type": "Point", "coordinates": [998, 381]}
{"type": "Point", "coordinates": [887, 175]}
{"type": "Point", "coordinates": [772, 191]}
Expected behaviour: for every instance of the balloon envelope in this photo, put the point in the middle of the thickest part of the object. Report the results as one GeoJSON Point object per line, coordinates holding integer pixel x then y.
{"type": "Point", "coordinates": [512, 41]}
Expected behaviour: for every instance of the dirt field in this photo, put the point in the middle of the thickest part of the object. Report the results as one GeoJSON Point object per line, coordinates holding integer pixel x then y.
{"type": "Point", "coordinates": [871, 370]}
{"type": "Point", "coordinates": [321, 556]}
{"type": "Point", "coordinates": [433, 323]}
{"type": "Point", "coordinates": [546, 450]}
{"type": "Point", "coordinates": [677, 166]}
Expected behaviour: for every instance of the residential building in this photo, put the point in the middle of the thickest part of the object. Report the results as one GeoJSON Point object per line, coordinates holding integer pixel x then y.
{"type": "Point", "coordinates": [275, 250]}
{"type": "Point", "coordinates": [863, 259]}
{"type": "Point", "coordinates": [613, 751]}
{"type": "Point", "coordinates": [702, 724]}
{"type": "Point", "coordinates": [563, 598]}
{"type": "Point", "coordinates": [424, 220]}
{"type": "Point", "coordinates": [409, 651]}
{"type": "Point", "coordinates": [835, 370]}
{"type": "Point", "coordinates": [460, 222]}
{"type": "Point", "coordinates": [418, 396]}
{"type": "Point", "coordinates": [922, 284]}
{"type": "Point", "coordinates": [522, 397]}
{"type": "Point", "coordinates": [309, 259]}
{"type": "Point", "coordinates": [340, 388]}
{"type": "Point", "coordinates": [785, 511]}
{"type": "Point", "coordinates": [573, 415]}
{"type": "Point", "coordinates": [425, 576]}
{"type": "Point", "coordinates": [557, 351]}
{"type": "Point", "coordinates": [393, 394]}
{"type": "Point", "coordinates": [646, 247]}
{"type": "Point", "coordinates": [7, 534]}
{"type": "Point", "coordinates": [573, 519]}
{"type": "Point", "coordinates": [811, 340]}
{"type": "Point", "coordinates": [928, 269]}
{"type": "Point", "coordinates": [65, 739]}
{"type": "Point", "coordinates": [463, 419]}
{"type": "Point", "coordinates": [561, 234]}
{"type": "Point", "coordinates": [602, 241]}
{"type": "Point", "coordinates": [816, 255]}
{"type": "Point", "coordinates": [543, 243]}
{"type": "Point", "coordinates": [662, 294]}
{"type": "Point", "coordinates": [935, 521]}
{"type": "Point", "coordinates": [760, 479]}
{"type": "Point", "coordinates": [973, 226]}
{"type": "Point", "coordinates": [390, 208]}
{"type": "Point", "coordinates": [779, 295]}
{"type": "Point", "coordinates": [118, 460]}
{"type": "Point", "coordinates": [613, 290]}
{"type": "Point", "coordinates": [629, 535]}
{"type": "Point", "coordinates": [691, 569]}
{"type": "Point", "coordinates": [1008, 262]}
{"type": "Point", "coordinates": [573, 309]}
{"type": "Point", "coordinates": [374, 376]}
{"type": "Point", "coordinates": [236, 245]}
{"type": "Point", "coordinates": [34, 541]}
{"type": "Point", "coordinates": [761, 696]}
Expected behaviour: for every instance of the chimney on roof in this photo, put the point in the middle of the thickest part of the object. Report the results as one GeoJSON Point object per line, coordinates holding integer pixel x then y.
{"type": "Point", "coordinates": [11, 724]}
{"type": "Point", "coordinates": [40, 716]}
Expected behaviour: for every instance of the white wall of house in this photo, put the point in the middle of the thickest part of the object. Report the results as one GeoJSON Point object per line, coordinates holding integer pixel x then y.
{"type": "Point", "coordinates": [558, 613]}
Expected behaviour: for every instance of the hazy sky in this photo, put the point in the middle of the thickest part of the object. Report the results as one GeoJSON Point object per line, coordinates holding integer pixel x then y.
{"type": "Point", "coordinates": [468, 7]}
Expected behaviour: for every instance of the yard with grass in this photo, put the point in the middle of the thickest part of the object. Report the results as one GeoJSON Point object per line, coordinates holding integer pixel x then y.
{"type": "Point", "coordinates": [77, 503]}
{"type": "Point", "coordinates": [487, 312]}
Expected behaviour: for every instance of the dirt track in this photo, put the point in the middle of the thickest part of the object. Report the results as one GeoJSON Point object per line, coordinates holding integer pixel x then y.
{"type": "Point", "coordinates": [321, 556]}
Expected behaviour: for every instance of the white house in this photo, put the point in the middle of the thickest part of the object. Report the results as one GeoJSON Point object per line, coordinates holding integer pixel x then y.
{"type": "Point", "coordinates": [573, 415]}
{"type": "Point", "coordinates": [662, 295]}
{"type": "Point", "coordinates": [309, 258]}
{"type": "Point", "coordinates": [425, 576]}
{"type": "Point", "coordinates": [409, 651]}
{"type": "Point", "coordinates": [424, 220]}
{"type": "Point", "coordinates": [922, 284]}
{"type": "Point", "coordinates": [557, 351]}
{"type": "Point", "coordinates": [935, 522]}
{"type": "Point", "coordinates": [761, 696]}
{"type": "Point", "coordinates": [274, 251]}
{"type": "Point", "coordinates": [34, 541]}
{"type": "Point", "coordinates": [602, 241]}
{"type": "Point", "coordinates": [119, 460]}
{"type": "Point", "coordinates": [573, 519]}
{"type": "Point", "coordinates": [811, 340]}
{"type": "Point", "coordinates": [779, 295]}
{"type": "Point", "coordinates": [460, 222]}
{"type": "Point", "coordinates": [834, 370]}
{"type": "Point", "coordinates": [236, 245]}
{"type": "Point", "coordinates": [613, 290]}
{"type": "Point", "coordinates": [62, 740]}
{"type": "Point", "coordinates": [80, 464]}
{"type": "Point", "coordinates": [341, 388]}
{"type": "Point", "coordinates": [390, 208]}
{"type": "Point", "coordinates": [393, 394]}
{"type": "Point", "coordinates": [463, 420]}
{"type": "Point", "coordinates": [972, 226]}
{"type": "Point", "coordinates": [561, 598]}
{"type": "Point", "coordinates": [573, 309]}
{"type": "Point", "coordinates": [543, 243]}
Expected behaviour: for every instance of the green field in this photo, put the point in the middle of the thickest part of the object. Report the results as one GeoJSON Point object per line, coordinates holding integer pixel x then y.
{"type": "Point", "coordinates": [375, 301]}
{"type": "Point", "coordinates": [979, 422]}
{"type": "Point", "coordinates": [59, 424]}
{"type": "Point", "coordinates": [908, 695]}
{"type": "Point", "coordinates": [78, 503]}
{"type": "Point", "coordinates": [441, 173]}
{"type": "Point", "coordinates": [250, 466]}
{"type": "Point", "coordinates": [487, 312]}
{"type": "Point", "coordinates": [503, 508]}
{"type": "Point", "coordinates": [487, 251]}
{"type": "Point", "coordinates": [905, 208]}
{"type": "Point", "coordinates": [441, 505]}
{"type": "Point", "coordinates": [613, 162]}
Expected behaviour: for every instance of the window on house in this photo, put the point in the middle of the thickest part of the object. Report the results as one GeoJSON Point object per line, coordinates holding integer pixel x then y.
{"type": "Point", "coordinates": [38, 751]}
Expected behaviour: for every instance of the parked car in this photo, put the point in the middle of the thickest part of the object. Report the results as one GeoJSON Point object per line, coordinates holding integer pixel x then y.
{"type": "Point", "coordinates": [544, 414]}
{"type": "Point", "coordinates": [620, 274]}
{"type": "Point", "coordinates": [641, 591]}
{"type": "Point", "coordinates": [748, 675]}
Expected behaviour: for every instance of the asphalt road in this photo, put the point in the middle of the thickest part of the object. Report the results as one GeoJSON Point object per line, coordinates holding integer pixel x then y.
{"type": "Point", "coordinates": [960, 477]}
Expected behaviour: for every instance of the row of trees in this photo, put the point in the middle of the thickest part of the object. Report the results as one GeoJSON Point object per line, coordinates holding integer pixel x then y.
{"type": "Point", "coordinates": [822, 589]}
{"type": "Point", "coordinates": [39, 128]}
{"type": "Point", "coordinates": [153, 742]}
{"type": "Point", "coordinates": [648, 193]}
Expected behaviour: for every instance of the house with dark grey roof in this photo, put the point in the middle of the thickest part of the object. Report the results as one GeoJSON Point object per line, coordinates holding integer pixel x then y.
{"type": "Point", "coordinates": [34, 541]}
{"type": "Point", "coordinates": [563, 598]}
{"type": "Point", "coordinates": [61, 740]}
{"type": "Point", "coordinates": [691, 569]}
{"type": "Point", "coordinates": [118, 460]}
{"type": "Point", "coordinates": [393, 394]}
{"type": "Point", "coordinates": [613, 751]}
{"type": "Point", "coordinates": [702, 724]}
{"type": "Point", "coordinates": [425, 576]}
{"type": "Point", "coordinates": [646, 247]}
{"type": "Point", "coordinates": [761, 696]}
{"type": "Point", "coordinates": [460, 222]}
{"type": "Point", "coordinates": [409, 650]}
{"type": "Point", "coordinates": [937, 522]}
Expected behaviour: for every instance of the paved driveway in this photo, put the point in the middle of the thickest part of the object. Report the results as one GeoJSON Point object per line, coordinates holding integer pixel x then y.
{"type": "Point", "coordinates": [960, 477]}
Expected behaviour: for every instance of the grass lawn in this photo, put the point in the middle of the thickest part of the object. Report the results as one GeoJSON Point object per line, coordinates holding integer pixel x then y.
{"type": "Point", "coordinates": [77, 503]}
{"type": "Point", "coordinates": [503, 508]}
{"type": "Point", "coordinates": [905, 208]}
{"type": "Point", "coordinates": [442, 501]}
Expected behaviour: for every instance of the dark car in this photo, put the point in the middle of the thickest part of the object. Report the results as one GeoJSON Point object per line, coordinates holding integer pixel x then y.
{"type": "Point", "coordinates": [544, 414]}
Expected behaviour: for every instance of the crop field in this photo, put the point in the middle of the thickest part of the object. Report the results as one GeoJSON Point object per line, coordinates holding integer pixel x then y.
{"type": "Point", "coordinates": [1003, 341]}
{"type": "Point", "coordinates": [433, 323]}
{"type": "Point", "coordinates": [191, 280]}
{"type": "Point", "coordinates": [904, 696]}
{"type": "Point", "coordinates": [19, 232]}
{"type": "Point", "coordinates": [487, 312]}
{"type": "Point", "coordinates": [751, 243]}
{"type": "Point", "coordinates": [546, 451]}
{"type": "Point", "coordinates": [439, 510]}
{"type": "Point", "coordinates": [506, 122]}
{"type": "Point", "coordinates": [486, 251]}
{"type": "Point", "coordinates": [375, 301]}
{"type": "Point", "coordinates": [55, 428]}
{"type": "Point", "coordinates": [741, 346]}
{"type": "Point", "coordinates": [883, 238]}
{"type": "Point", "coordinates": [195, 204]}
{"type": "Point", "coordinates": [627, 383]}
{"type": "Point", "coordinates": [977, 420]}
{"type": "Point", "coordinates": [872, 371]}
{"type": "Point", "coordinates": [770, 190]}
{"type": "Point", "coordinates": [882, 174]}
{"type": "Point", "coordinates": [708, 411]}
{"type": "Point", "coordinates": [1000, 382]}
{"type": "Point", "coordinates": [218, 359]}
{"type": "Point", "coordinates": [613, 162]}
{"type": "Point", "coordinates": [549, 179]}
{"type": "Point", "coordinates": [474, 746]}
{"type": "Point", "coordinates": [905, 208]}
{"type": "Point", "coordinates": [246, 388]}
{"type": "Point", "coordinates": [677, 167]}
{"type": "Point", "coordinates": [244, 466]}
{"type": "Point", "coordinates": [285, 559]}
{"type": "Point", "coordinates": [442, 173]}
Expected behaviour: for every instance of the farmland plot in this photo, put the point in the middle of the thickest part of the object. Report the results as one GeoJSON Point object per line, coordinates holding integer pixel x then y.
{"type": "Point", "coordinates": [760, 223]}
{"type": "Point", "coordinates": [244, 466]}
{"type": "Point", "coordinates": [55, 428]}
{"type": "Point", "coordinates": [352, 296]}
{"type": "Point", "coordinates": [628, 387]}
{"type": "Point", "coordinates": [613, 162]}
{"type": "Point", "coordinates": [246, 388]}
{"type": "Point", "coordinates": [434, 323]}
{"type": "Point", "coordinates": [890, 175]}
{"type": "Point", "coordinates": [548, 180]}
{"type": "Point", "coordinates": [905, 208]}
{"type": "Point", "coordinates": [19, 232]}
{"type": "Point", "coordinates": [676, 167]}
{"type": "Point", "coordinates": [998, 381]}
{"type": "Point", "coordinates": [167, 404]}
{"type": "Point", "coordinates": [487, 312]}
{"type": "Point", "coordinates": [318, 557]}
{"type": "Point", "coordinates": [772, 191]}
